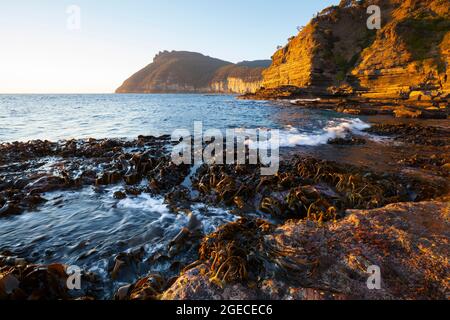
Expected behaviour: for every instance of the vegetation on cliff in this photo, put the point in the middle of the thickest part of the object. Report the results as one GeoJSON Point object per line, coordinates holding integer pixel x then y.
{"type": "Point", "coordinates": [409, 53]}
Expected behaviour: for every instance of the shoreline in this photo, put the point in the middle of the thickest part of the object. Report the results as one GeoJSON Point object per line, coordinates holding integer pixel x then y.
{"type": "Point", "coordinates": [327, 204]}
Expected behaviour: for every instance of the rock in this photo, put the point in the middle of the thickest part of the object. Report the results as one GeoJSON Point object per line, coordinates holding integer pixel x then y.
{"type": "Point", "coordinates": [407, 241]}
{"type": "Point", "coordinates": [46, 184]}
{"type": "Point", "coordinates": [405, 112]}
{"type": "Point", "coordinates": [420, 96]}
{"type": "Point", "coordinates": [413, 133]}
{"type": "Point", "coordinates": [188, 72]}
{"type": "Point", "coordinates": [446, 167]}
{"type": "Point", "coordinates": [123, 292]}
{"type": "Point", "coordinates": [148, 288]}
{"type": "Point", "coordinates": [347, 141]}
{"type": "Point", "coordinates": [8, 284]}
{"type": "Point", "coordinates": [132, 179]}
{"type": "Point", "coordinates": [126, 265]}
{"type": "Point", "coordinates": [23, 281]}
{"type": "Point", "coordinates": [120, 195]}
{"type": "Point", "coordinates": [336, 50]}
{"type": "Point", "coordinates": [195, 285]}
{"type": "Point", "coordinates": [10, 209]}
{"type": "Point", "coordinates": [360, 112]}
{"type": "Point", "coordinates": [133, 191]}
{"type": "Point", "coordinates": [277, 290]}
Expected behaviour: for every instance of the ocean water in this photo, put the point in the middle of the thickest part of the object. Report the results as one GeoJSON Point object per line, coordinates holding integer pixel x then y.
{"type": "Point", "coordinates": [88, 228]}
{"type": "Point", "coordinates": [56, 117]}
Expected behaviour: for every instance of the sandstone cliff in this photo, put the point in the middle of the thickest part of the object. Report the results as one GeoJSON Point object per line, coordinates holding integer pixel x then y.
{"type": "Point", "coordinates": [409, 53]}
{"type": "Point", "coordinates": [189, 72]}
{"type": "Point", "coordinates": [243, 77]}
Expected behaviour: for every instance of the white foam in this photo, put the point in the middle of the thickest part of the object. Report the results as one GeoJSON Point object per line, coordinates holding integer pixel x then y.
{"type": "Point", "coordinates": [292, 137]}
{"type": "Point", "coordinates": [305, 100]}
{"type": "Point", "coordinates": [334, 129]}
{"type": "Point", "coordinates": [145, 202]}
{"type": "Point", "coordinates": [210, 217]}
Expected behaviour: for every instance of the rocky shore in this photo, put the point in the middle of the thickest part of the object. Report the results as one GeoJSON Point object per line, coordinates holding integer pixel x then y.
{"type": "Point", "coordinates": [309, 232]}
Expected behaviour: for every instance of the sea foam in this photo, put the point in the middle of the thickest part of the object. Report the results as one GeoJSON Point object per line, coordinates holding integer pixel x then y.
{"type": "Point", "coordinates": [292, 137]}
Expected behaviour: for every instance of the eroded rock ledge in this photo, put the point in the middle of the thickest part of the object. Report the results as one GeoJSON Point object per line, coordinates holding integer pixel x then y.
{"type": "Point", "coordinates": [408, 241]}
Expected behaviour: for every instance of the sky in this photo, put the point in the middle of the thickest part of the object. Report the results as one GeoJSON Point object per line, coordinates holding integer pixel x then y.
{"type": "Point", "coordinates": [45, 50]}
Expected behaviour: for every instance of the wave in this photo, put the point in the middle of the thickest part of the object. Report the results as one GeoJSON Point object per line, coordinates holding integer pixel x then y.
{"type": "Point", "coordinates": [292, 137]}
{"type": "Point", "coordinates": [207, 218]}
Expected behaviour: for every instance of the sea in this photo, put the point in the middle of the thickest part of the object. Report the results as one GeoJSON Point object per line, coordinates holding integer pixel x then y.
{"type": "Point", "coordinates": [88, 228]}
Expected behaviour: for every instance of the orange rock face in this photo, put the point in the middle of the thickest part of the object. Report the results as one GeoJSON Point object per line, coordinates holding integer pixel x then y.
{"type": "Point", "coordinates": [410, 51]}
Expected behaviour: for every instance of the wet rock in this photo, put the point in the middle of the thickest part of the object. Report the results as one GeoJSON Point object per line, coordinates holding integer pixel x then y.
{"type": "Point", "coordinates": [166, 176]}
{"type": "Point", "coordinates": [123, 292]}
{"type": "Point", "coordinates": [412, 133]}
{"type": "Point", "coordinates": [120, 195]}
{"type": "Point", "coordinates": [126, 265]}
{"type": "Point", "coordinates": [133, 191]}
{"type": "Point", "coordinates": [21, 151]}
{"type": "Point", "coordinates": [351, 141]}
{"type": "Point", "coordinates": [405, 112]}
{"type": "Point", "coordinates": [188, 237]}
{"type": "Point", "coordinates": [78, 163]}
{"type": "Point", "coordinates": [279, 290]}
{"type": "Point", "coordinates": [23, 281]}
{"type": "Point", "coordinates": [179, 198]}
{"type": "Point", "coordinates": [132, 179]}
{"type": "Point", "coordinates": [148, 288]}
{"type": "Point", "coordinates": [33, 200]}
{"type": "Point", "coordinates": [9, 209]}
{"type": "Point", "coordinates": [108, 178]}
{"type": "Point", "coordinates": [46, 184]}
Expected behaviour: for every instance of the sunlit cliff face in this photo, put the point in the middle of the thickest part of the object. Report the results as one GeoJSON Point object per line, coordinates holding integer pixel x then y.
{"type": "Point", "coordinates": [410, 50]}
{"type": "Point", "coordinates": [236, 85]}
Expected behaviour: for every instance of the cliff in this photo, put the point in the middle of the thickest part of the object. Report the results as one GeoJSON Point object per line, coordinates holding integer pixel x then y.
{"type": "Point", "coordinates": [243, 77]}
{"type": "Point", "coordinates": [409, 53]}
{"type": "Point", "coordinates": [189, 72]}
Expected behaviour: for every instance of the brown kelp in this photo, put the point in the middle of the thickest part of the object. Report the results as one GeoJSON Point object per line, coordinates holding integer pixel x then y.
{"type": "Point", "coordinates": [234, 251]}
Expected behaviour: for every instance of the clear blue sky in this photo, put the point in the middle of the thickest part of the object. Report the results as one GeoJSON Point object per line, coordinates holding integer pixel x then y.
{"type": "Point", "coordinates": [40, 54]}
